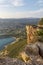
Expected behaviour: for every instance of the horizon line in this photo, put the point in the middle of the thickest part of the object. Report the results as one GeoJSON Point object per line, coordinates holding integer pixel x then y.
{"type": "Point", "coordinates": [21, 18]}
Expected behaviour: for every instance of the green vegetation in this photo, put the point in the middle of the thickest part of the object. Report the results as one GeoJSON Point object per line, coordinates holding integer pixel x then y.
{"type": "Point", "coordinates": [41, 21]}
{"type": "Point", "coordinates": [40, 32]}
{"type": "Point", "coordinates": [16, 48]}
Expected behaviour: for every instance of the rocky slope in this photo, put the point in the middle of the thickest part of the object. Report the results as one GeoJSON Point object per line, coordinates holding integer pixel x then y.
{"type": "Point", "coordinates": [33, 51]}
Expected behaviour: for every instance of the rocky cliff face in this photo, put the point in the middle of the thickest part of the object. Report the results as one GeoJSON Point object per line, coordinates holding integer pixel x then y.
{"type": "Point", "coordinates": [32, 51]}
{"type": "Point", "coordinates": [31, 34]}
{"type": "Point", "coordinates": [9, 61]}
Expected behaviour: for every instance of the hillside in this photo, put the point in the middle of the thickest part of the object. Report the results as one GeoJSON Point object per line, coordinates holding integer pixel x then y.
{"type": "Point", "coordinates": [31, 51]}
{"type": "Point", "coordinates": [21, 53]}
{"type": "Point", "coordinates": [15, 48]}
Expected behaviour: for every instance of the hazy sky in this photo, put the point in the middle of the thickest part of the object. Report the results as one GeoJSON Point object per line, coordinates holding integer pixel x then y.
{"type": "Point", "coordinates": [21, 8]}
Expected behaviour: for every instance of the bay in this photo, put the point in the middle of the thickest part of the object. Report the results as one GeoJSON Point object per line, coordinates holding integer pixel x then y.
{"type": "Point", "coordinates": [6, 41]}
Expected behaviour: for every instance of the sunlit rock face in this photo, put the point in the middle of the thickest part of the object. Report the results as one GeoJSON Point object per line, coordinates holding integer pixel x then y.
{"type": "Point", "coordinates": [25, 57]}
{"type": "Point", "coordinates": [33, 52]}
{"type": "Point", "coordinates": [30, 56]}
{"type": "Point", "coordinates": [31, 34]}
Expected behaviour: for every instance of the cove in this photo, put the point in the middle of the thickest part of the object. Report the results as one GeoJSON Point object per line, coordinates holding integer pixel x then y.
{"type": "Point", "coordinates": [6, 41]}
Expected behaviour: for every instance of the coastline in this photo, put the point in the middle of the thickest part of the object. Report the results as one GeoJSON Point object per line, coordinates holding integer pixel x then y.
{"type": "Point", "coordinates": [5, 45]}
{"type": "Point", "coordinates": [17, 39]}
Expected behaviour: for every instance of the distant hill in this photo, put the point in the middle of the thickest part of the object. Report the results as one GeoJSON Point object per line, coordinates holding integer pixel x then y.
{"type": "Point", "coordinates": [12, 23]}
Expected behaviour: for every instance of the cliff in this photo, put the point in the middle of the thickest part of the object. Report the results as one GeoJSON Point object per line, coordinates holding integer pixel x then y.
{"type": "Point", "coordinates": [32, 51]}
{"type": "Point", "coordinates": [31, 33]}
{"type": "Point", "coordinates": [26, 54]}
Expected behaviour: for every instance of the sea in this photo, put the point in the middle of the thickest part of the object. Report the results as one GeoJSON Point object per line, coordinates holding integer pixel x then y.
{"type": "Point", "coordinates": [6, 41]}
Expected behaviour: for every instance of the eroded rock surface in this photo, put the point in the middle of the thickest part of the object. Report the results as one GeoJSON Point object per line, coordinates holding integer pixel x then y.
{"type": "Point", "coordinates": [34, 51]}
{"type": "Point", "coordinates": [40, 46]}
{"type": "Point", "coordinates": [10, 61]}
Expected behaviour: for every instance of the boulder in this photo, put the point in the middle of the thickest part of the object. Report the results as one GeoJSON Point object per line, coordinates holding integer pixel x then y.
{"type": "Point", "coordinates": [40, 46]}
{"type": "Point", "coordinates": [39, 61]}
{"type": "Point", "coordinates": [32, 49]}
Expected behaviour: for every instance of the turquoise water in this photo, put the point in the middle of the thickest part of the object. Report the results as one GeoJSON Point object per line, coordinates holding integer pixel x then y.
{"type": "Point", "coordinates": [5, 41]}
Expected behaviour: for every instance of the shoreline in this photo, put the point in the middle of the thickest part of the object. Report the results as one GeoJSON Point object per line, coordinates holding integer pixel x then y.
{"type": "Point", "coordinates": [17, 39]}
{"type": "Point", "coordinates": [5, 46]}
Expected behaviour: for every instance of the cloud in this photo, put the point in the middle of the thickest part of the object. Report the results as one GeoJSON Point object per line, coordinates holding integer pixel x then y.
{"type": "Point", "coordinates": [25, 14]}
{"type": "Point", "coordinates": [7, 3]}
{"type": "Point", "coordinates": [17, 2]}
{"type": "Point", "coordinates": [9, 13]}
{"type": "Point", "coordinates": [40, 2]}
{"type": "Point", "coordinates": [4, 3]}
{"type": "Point", "coordinates": [35, 14]}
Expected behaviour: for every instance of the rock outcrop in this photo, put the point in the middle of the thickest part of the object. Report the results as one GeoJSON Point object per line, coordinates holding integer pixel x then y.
{"type": "Point", "coordinates": [10, 61]}
{"type": "Point", "coordinates": [31, 34]}
{"type": "Point", "coordinates": [32, 54]}
{"type": "Point", "coordinates": [40, 46]}
{"type": "Point", "coordinates": [34, 49]}
{"type": "Point", "coordinates": [35, 54]}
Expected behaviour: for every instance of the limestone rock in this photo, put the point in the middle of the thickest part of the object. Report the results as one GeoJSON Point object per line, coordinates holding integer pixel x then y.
{"type": "Point", "coordinates": [10, 61]}
{"type": "Point", "coordinates": [15, 61]}
{"type": "Point", "coordinates": [32, 49]}
{"type": "Point", "coordinates": [31, 34]}
{"type": "Point", "coordinates": [40, 46]}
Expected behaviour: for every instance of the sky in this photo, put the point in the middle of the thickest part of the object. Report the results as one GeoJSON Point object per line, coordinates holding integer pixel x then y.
{"type": "Point", "coordinates": [21, 8]}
